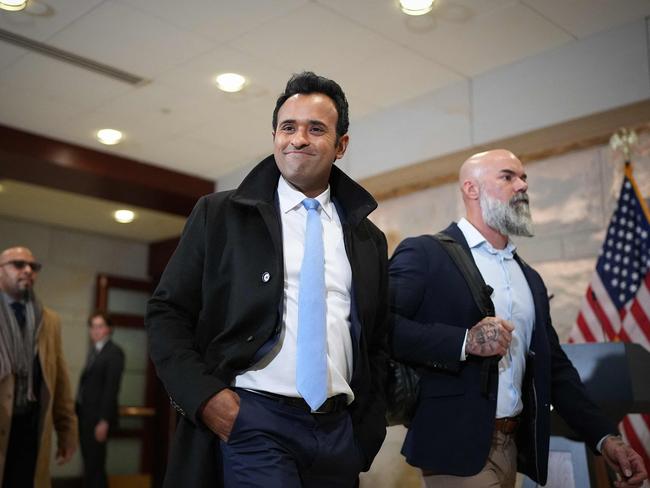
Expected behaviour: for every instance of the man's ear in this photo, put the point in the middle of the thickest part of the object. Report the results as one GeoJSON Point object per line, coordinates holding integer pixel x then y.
{"type": "Point", "coordinates": [471, 189]}
{"type": "Point", "coordinates": [342, 145]}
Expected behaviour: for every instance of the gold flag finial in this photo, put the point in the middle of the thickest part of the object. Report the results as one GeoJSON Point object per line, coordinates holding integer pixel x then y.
{"type": "Point", "coordinates": [623, 140]}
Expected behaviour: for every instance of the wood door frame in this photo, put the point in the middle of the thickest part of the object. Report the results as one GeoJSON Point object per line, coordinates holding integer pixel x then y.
{"type": "Point", "coordinates": [103, 285]}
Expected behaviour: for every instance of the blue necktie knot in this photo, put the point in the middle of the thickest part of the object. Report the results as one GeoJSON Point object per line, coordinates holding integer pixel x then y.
{"type": "Point", "coordinates": [310, 204]}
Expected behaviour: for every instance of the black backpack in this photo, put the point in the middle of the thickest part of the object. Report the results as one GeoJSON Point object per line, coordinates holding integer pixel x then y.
{"type": "Point", "coordinates": [402, 379]}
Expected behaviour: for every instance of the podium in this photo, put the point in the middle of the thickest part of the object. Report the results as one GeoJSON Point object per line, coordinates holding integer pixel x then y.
{"type": "Point", "coordinates": [615, 375]}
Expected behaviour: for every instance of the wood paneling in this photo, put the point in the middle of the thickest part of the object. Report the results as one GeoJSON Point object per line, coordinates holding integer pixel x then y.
{"type": "Point", "coordinates": [55, 164]}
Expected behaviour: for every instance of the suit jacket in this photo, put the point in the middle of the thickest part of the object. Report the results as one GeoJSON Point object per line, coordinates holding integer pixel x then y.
{"type": "Point", "coordinates": [218, 306]}
{"type": "Point", "coordinates": [99, 386]}
{"type": "Point", "coordinates": [56, 404]}
{"type": "Point", "coordinates": [451, 431]}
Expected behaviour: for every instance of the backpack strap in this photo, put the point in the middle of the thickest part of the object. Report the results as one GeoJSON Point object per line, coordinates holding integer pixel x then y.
{"type": "Point", "coordinates": [465, 263]}
{"type": "Point", "coordinates": [481, 293]}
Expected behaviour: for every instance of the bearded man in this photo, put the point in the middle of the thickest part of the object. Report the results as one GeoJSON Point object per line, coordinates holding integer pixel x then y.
{"type": "Point", "coordinates": [476, 426]}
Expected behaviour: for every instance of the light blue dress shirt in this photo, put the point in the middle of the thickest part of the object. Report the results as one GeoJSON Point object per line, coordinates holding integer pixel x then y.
{"type": "Point", "coordinates": [513, 301]}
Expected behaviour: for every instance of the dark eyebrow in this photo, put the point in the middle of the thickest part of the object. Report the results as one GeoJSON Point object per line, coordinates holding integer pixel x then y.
{"type": "Point", "coordinates": [311, 122]}
{"type": "Point", "coordinates": [523, 176]}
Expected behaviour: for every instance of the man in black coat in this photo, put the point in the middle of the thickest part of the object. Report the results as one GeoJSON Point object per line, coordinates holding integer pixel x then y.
{"type": "Point", "coordinates": [479, 420]}
{"type": "Point", "coordinates": [97, 398]}
{"type": "Point", "coordinates": [226, 323]}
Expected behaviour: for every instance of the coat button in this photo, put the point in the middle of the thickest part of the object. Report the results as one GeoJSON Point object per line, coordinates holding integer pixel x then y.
{"type": "Point", "coordinates": [266, 276]}
{"type": "Point", "coordinates": [250, 339]}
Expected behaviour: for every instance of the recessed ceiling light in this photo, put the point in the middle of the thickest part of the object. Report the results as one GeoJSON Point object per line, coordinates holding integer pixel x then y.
{"type": "Point", "coordinates": [109, 137]}
{"type": "Point", "coordinates": [416, 7]}
{"type": "Point", "coordinates": [124, 216]}
{"type": "Point", "coordinates": [230, 82]}
{"type": "Point", "coordinates": [13, 5]}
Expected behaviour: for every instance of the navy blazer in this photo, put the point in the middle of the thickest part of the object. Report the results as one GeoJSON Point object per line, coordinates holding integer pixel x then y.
{"type": "Point", "coordinates": [451, 432]}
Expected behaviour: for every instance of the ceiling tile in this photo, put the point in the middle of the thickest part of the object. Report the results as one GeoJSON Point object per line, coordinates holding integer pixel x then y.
{"type": "Point", "coordinates": [194, 156]}
{"type": "Point", "coordinates": [499, 37]}
{"type": "Point", "coordinates": [407, 76]}
{"type": "Point", "coordinates": [33, 110]}
{"type": "Point", "coordinates": [585, 17]}
{"type": "Point", "coordinates": [130, 40]}
{"type": "Point", "coordinates": [60, 81]}
{"type": "Point", "coordinates": [10, 54]}
{"type": "Point", "coordinates": [465, 36]}
{"type": "Point", "coordinates": [246, 129]}
{"type": "Point", "coordinates": [197, 76]}
{"type": "Point", "coordinates": [310, 37]}
{"type": "Point", "coordinates": [219, 21]}
{"type": "Point", "coordinates": [41, 19]}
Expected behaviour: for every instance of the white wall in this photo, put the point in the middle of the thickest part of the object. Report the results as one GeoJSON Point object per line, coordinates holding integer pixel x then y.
{"type": "Point", "coordinates": [71, 261]}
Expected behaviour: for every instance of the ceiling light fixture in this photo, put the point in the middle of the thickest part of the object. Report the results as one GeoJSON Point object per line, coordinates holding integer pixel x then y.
{"type": "Point", "coordinates": [124, 216]}
{"type": "Point", "coordinates": [416, 7]}
{"type": "Point", "coordinates": [230, 82]}
{"type": "Point", "coordinates": [13, 5]}
{"type": "Point", "coordinates": [109, 137]}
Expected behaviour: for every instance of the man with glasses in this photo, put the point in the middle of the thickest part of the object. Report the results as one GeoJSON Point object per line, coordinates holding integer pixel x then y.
{"type": "Point", "coordinates": [35, 394]}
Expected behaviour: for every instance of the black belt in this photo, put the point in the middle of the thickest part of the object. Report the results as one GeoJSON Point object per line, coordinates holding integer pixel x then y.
{"type": "Point", "coordinates": [333, 404]}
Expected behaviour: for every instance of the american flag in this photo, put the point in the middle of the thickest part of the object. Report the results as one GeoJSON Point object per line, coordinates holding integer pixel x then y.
{"type": "Point", "coordinates": [616, 306]}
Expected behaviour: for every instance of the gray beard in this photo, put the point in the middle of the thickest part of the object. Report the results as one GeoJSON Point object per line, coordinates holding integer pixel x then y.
{"type": "Point", "coordinates": [509, 219]}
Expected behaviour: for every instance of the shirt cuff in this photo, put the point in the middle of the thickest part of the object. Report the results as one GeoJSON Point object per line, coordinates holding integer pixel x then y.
{"type": "Point", "coordinates": [463, 356]}
{"type": "Point", "coordinates": [599, 446]}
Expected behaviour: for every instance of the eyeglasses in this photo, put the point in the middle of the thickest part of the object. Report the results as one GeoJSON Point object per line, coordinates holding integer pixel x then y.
{"type": "Point", "coordinates": [21, 263]}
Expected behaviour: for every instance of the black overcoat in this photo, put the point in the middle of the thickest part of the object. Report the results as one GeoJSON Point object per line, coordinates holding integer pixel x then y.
{"type": "Point", "coordinates": [219, 301]}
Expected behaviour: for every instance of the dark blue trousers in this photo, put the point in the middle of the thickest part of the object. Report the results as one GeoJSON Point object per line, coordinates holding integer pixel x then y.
{"type": "Point", "coordinates": [277, 445]}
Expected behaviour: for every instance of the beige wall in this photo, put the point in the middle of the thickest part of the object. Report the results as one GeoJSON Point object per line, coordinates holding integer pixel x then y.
{"type": "Point", "coordinates": [71, 261]}
{"type": "Point", "coordinates": [572, 199]}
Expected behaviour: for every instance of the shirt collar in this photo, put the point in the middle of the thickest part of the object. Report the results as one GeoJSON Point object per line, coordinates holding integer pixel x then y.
{"type": "Point", "coordinates": [476, 240]}
{"type": "Point", "coordinates": [291, 199]}
{"type": "Point", "coordinates": [99, 345]}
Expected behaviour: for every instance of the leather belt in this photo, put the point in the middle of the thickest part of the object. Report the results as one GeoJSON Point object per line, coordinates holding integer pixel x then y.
{"type": "Point", "coordinates": [506, 425]}
{"type": "Point", "coordinates": [333, 404]}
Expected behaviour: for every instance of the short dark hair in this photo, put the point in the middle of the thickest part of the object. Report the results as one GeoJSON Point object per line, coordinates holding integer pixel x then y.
{"type": "Point", "coordinates": [308, 82]}
{"type": "Point", "coordinates": [100, 313]}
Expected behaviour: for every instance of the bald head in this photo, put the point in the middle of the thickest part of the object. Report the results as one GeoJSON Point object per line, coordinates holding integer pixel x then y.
{"type": "Point", "coordinates": [474, 167]}
{"type": "Point", "coordinates": [18, 271]}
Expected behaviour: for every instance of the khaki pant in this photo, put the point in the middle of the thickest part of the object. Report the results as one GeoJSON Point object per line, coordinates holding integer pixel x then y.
{"type": "Point", "coordinates": [500, 470]}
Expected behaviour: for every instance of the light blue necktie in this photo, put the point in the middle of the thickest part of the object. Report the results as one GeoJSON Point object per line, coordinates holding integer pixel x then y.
{"type": "Point", "coordinates": [311, 360]}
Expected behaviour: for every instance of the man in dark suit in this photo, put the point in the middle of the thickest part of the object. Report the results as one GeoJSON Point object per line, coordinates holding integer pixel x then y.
{"type": "Point", "coordinates": [275, 359]}
{"type": "Point", "coordinates": [478, 421]}
{"type": "Point", "coordinates": [97, 398]}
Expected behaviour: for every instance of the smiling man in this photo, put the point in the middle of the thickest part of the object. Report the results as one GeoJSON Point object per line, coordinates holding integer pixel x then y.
{"type": "Point", "coordinates": [34, 385]}
{"type": "Point", "coordinates": [268, 326]}
{"type": "Point", "coordinates": [487, 383]}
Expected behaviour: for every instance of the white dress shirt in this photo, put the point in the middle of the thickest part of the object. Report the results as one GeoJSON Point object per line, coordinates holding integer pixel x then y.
{"type": "Point", "coordinates": [99, 345]}
{"type": "Point", "coordinates": [276, 373]}
{"type": "Point", "coordinates": [513, 301]}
